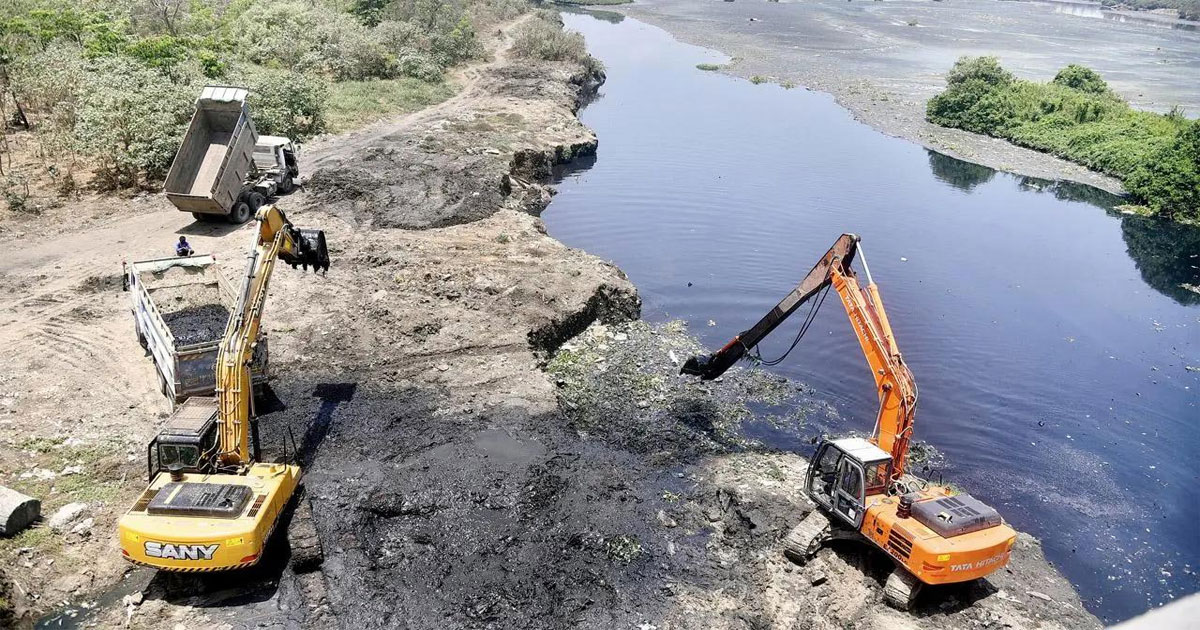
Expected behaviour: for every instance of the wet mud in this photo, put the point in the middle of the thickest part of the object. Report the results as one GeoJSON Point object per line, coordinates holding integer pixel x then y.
{"type": "Point", "coordinates": [197, 324]}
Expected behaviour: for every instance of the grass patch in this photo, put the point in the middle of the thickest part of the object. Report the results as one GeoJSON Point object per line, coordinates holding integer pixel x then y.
{"type": "Point", "coordinates": [1077, 117]}
{"type": "Point", "coordinates": [623, 548]}
{"type": "Point", "coordinates": [39, 537]}
{"type": "Point", "coordinates": [708, 67]}
{"type": "Point", "coordinates": [353, 104]}
{"type": "Point", "coordinates": [758, 78]}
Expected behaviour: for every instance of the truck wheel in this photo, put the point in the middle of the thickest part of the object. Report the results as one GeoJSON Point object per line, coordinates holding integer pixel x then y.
{"type": "Point", "coordinates": [286, 185]}
{"type": "Point", "coordinates": [240, 213]}
{"type": "Point", "coordinates": [256, 200]}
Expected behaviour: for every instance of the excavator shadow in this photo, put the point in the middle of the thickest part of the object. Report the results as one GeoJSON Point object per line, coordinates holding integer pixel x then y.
{"type": "Point", "coordinates": [941, 599]}
{"type": "Point", "coordinates": [208, 228]}
{"type": "Point", "coordinates": [332, 395]}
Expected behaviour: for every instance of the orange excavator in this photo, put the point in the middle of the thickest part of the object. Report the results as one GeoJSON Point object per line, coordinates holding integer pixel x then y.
{"type": "Point", "coordinates": [860, 486]}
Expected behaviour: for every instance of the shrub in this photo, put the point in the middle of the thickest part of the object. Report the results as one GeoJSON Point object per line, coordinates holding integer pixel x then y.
{"type": "Point", "coordinates": [15, 192]}
{"type": "Point", "coordinates": [539, 39]}
{"type": "Point", "coordinates": [985, 70]}
{"type": "Point", "coordinates": [1081, 78]}
{"type": "Point", "coordinates": [1170, 180]}
{"type": "Point", "coordinates": [287, 103]}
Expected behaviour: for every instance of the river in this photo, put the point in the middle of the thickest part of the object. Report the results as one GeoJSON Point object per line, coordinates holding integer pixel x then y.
{"type": "Point", "coordinates": [1050, 334]}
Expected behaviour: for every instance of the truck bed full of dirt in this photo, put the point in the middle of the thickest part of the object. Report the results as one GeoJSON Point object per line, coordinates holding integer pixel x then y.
{"type": "Point", "coordinates": [193, 312]}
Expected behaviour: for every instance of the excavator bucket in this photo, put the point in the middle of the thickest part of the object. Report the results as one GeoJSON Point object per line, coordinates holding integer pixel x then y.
{"type": "Point", "coordinates": [312, 251]}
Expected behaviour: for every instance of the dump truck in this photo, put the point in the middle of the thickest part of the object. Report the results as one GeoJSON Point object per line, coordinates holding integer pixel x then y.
{"type": "Point", "coordinates": [180, 309]}
{"type": "Point", "coordinates": [224, 169]}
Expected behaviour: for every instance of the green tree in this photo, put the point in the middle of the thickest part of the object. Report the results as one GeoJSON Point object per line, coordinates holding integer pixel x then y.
{"type": "Point", "coordinates": [369, 12]}
{"type": "Point", "coordinates": [287, 103]}
{"type": "Point", "coordinates": [131, 119]}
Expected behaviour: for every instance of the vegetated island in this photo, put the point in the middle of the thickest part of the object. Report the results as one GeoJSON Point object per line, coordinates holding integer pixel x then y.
{"type": "Point", "coordinates": [1077, 117]}
{"type": "Point", "coordinates": [1187, 9]}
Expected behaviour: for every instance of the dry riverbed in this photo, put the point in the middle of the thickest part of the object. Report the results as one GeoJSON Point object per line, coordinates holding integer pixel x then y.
{"type": "Point", "coordinates": [491, 438]}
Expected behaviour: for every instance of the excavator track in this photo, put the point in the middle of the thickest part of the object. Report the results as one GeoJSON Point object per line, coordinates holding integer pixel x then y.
{"type": "Point", "coordinates": [305, 543]}
{"type": "Point", "coordinates": [805, 539]}
{"type": "Point", "coordinates": [901, 589]}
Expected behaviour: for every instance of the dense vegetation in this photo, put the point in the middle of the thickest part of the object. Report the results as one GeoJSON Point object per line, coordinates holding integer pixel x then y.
{"type": "Point", "coordinates": [1077, 117]}
{"type": "Point", "coordinates": [1188, 9]}
{"type": "Point", "coordinates": [110, 83]}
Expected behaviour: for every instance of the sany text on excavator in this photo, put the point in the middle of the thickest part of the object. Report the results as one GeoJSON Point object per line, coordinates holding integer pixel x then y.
{"type": "Point", "coordinates": [860, 485]}
{"type": "Point", "coordinates": [210, 504]}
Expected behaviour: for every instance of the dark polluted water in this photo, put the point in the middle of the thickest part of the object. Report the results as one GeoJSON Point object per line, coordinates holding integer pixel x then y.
{"type": "Point", "coordinates": [1050, 335]}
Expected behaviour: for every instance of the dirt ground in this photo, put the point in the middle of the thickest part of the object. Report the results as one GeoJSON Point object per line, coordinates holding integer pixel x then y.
{"type": "Point", "coordinates": [884, 60]}
{"type": "Point", "coordinates": [433, 380]}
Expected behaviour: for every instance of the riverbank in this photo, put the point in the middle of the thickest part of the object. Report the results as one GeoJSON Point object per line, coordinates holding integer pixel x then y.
{"type": "Point", "coordinates": [450, 485]}
{"type": "Point", "coordinates": [883, 61]}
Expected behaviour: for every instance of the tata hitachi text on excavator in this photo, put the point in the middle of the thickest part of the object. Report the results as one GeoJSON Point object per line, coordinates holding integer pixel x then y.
{"type": "Point", "coordinates": [860, 486]}
{"type": "Point", "coordinates": [210, 504]}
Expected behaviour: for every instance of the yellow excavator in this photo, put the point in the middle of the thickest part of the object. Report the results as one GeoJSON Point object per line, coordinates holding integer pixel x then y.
{"type": "Point", "coordinates": [210, 504]}
{"type": "Point", "coordinates": [861, 489]}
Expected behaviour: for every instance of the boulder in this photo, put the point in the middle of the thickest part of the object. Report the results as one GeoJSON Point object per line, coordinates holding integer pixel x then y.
{"type": "Point", "coordinates": [17, 511]}
{"type": "Point", "coordinates": [66, 515]}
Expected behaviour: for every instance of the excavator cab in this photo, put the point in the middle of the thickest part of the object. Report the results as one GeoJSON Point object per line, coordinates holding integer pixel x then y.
{"type": "Point", "coordinates": [187, 442]}
{"type": "Point", "coordinates": [843, 473]}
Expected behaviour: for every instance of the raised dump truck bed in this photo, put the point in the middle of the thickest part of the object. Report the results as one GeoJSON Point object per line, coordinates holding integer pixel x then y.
{"type": "Point", "coordinates": [210, 170]}
{"type": "Point", "coordinates": [180, 308]}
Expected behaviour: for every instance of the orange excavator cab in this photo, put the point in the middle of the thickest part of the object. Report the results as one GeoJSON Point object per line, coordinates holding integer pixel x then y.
{"type": "Point", "coordinates": [860, 485]}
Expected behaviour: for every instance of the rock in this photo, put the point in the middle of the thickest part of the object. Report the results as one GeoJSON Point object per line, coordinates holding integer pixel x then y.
{"type": "Point", "coordinates": [133, 599]}
{"type": "Point", "coordinates": [84, 527]}
{"type": "Point", "coordinates": [72, 470]}
{"type": "Point", "coordinates": [442, 367]}
{"type": "Point", "coordinates": [17, 511]}
{"type": "Point", "coordinates": [41, 474]}
{"type": "Point", "coordinates": [818, 578]}
{"type": "Point", "coordinates": [666, 521]}
{"type": "Point", "coordinates": [66, 515]}
{"type": "Point", "coordinates": [1040, 595]}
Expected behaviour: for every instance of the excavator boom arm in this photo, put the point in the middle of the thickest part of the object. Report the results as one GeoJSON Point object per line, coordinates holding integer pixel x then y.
{"type": "Point", "coordinates": [894, 383]}
{"type": "Point", "coordinates": [275, 239]}
{"type": "Point", "coordinates": [715, 364]}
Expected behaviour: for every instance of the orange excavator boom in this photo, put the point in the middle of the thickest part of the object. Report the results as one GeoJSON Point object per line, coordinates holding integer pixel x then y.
{"type": "Point", "coordinates": [894, 382]}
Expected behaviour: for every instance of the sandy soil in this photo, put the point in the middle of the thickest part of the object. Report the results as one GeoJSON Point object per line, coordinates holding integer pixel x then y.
{"type": "Point", "coordinates": [452, 481]}
{"type": "Point", "coordinates": [884, 70]}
